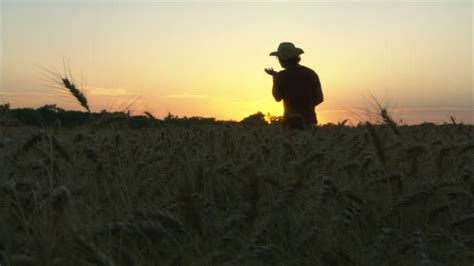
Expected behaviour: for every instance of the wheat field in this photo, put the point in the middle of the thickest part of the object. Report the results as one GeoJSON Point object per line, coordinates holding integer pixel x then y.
{"type": "Point", "coordinates": [233, 194]}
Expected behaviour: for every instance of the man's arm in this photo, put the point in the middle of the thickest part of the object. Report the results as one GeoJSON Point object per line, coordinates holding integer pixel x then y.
{"type": "Point", "coordinates": [318, 92]}
{"type": "Point", "coordinates": [276, 90]}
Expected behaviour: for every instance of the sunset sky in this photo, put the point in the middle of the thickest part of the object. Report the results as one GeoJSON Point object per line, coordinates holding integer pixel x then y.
{"type": "Point", "coordinates": [207, 58]}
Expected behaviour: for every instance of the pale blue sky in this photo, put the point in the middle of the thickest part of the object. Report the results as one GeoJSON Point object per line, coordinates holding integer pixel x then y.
{"type": "Point", "coordinates": [207, 58]}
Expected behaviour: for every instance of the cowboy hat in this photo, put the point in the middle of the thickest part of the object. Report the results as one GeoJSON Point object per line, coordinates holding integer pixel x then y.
{"type": "Point", "coordinates": [287, 50]}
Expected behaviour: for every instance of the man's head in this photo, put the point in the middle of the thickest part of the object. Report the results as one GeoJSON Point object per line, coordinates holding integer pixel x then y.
{"type": "Point", "coordinates": [289, 62]}
{"type": "Point", "coordinates": [288, 55]}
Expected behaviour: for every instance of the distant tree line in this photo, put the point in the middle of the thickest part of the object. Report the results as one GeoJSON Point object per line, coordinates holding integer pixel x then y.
{"type": "Point", "coordinates": [51, 114]}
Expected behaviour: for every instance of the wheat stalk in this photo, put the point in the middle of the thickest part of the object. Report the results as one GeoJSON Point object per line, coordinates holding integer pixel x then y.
{"type": "Point", "coordinates": [67, 82]}
{"type": "Point", "coordinates": [90, 251]}
{"type": "Point", "coordinates": [377, 142]}
{"type": "Point", "coordinates": [77, 93]}
{"type": "Point", "coordinates": [389, 121]}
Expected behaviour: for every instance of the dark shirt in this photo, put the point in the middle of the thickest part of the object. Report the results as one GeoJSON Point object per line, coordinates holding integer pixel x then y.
{"type": "Point", "coordinates": [300, 89]}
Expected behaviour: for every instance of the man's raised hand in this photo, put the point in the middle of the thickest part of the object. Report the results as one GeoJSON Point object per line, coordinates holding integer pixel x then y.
{"type": "Point", "coordinates": [270, 71]}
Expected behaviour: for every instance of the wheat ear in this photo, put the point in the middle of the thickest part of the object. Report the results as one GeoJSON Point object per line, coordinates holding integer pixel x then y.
{"type": "Point", "coordinates": [78, 94]}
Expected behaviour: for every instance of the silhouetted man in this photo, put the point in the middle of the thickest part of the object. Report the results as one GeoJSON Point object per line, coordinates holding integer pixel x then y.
{"type": "Point", "coordinates": [298, 86]}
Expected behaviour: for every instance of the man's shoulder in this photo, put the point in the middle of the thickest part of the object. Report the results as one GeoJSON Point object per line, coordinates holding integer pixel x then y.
{"type": "Point", "coordinates": [307, 69]}
{"type": "Point", "coordinates": [295, 70]}
{"type": "Point", "coordinates": [298, 68]}
{"type": "Point", "coordinates": [282, 74]}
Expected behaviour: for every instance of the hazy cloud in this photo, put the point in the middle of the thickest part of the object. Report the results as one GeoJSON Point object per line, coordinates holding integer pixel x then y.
{"type": "Point", "coordinates": [107, 91]}
{"type": "Point", "coordinates": [185, 95]}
